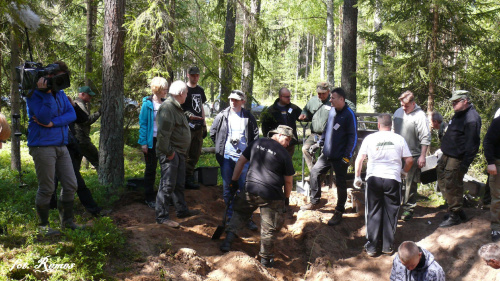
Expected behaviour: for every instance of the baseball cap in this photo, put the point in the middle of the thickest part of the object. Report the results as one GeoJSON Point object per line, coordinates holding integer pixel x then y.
{"type": "Point", "coordinates": [194, 70]}
{"type": "Point", "coordinates": [323, 87]}
{"type": "Point", "coordinates": [237, 95]}
{"type": "Point", "coordinates": [86, 89]}
{"type": "Point", "coordinates": [459, 94]}
{"type": "Point", "coordinates": [284, 130]}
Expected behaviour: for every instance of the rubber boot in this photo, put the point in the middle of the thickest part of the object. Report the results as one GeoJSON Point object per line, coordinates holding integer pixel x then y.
{"type": "Point", "coordinates": [66, 215]}
{"type": "Point", "coordinates": [44, 227]}
{"type": "Point", "coordinates": [226, 245]}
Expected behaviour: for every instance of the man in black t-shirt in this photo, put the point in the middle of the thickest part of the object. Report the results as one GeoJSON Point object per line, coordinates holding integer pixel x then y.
{"type": "Point", "coordinates": [193, 109]}
{"type": "Point", "coordinates": [270, 169]}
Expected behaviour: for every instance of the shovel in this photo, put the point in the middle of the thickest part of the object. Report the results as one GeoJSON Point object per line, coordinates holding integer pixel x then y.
{"type": "Point", "coordinates": [220, 229]}
{"type": "Point", "coordinates": [301, 186]}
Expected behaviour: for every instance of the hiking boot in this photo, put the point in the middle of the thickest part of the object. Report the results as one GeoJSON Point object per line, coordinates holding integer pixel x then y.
{"type": "Point", "coordinates": [188, 213]}
{"type": "Point", "coordinates": [453, 219]}
{"type": "Point", "coordinates": [47, 231]}
{"type": "Point", "coordinates": [310, 206]}
{"type": "Point", "coordinates": [226, 244]}
{"type": "Point", "coordinates": [170, 223]}
{"type": "Point", "coordinates": [252, 226]}
{"type": "Point", "coordinates": [336, 218]}
{"type": "Point", "coordinates": [495, 236]}
{"type": "Point", "coordinates": [267, 262]}
{"type": "Point", "coordinates": [190, 184]}
{"type": "Point", "coordinates": [151, 204]}
{"type": "Point", "coordinates": [66, 215]}
{"type": "Point", "coordinates": [407, 215]}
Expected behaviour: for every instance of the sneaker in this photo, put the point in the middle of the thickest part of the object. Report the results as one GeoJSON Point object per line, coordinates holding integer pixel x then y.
{"type": "Point", "coordinates": [336, 218]}
{"type": "Point", "coordinates": [407, 215]}
{"type": "Point", "coordinates": [495, 236]}
{"type": "Point", "coordinates": [252, 226]}
{"type": "Point", "coordinates": [267, 262]}
{"type": "Point", "coordinates": [388, 251]}
{"type": "Point", "coordinates": [47, 231]}
{"type": "Point", "coordinates": [309, 206]}
{"type": "Point", "coordinates": [370, 252]}
{"type": "Point", "coordinates": [170, 223]}
{"type": "Point", "coordinates": [151, 204]}
{"type": "Point", "coordinates": [188, 213]}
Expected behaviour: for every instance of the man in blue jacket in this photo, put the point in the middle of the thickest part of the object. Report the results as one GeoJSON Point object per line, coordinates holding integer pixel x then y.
{"type": "Point", "coordinates": [339, 141]}
{"type": "Point", "coordinates": [49, 114]}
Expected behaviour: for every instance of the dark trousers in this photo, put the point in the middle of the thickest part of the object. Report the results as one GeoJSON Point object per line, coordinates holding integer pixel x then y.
{"type": "Point", "coordinates": [382, 197]}
{"type": "Point", "coordinates": [82, 190]}
{"type": "Point", "coordinates": [321, 167]}
{"type": "Point", "coordinates": [451, 182]}
{"type": "Point", "coordinates": [88, 149]}
{"type": "Point", "coordinates": [271, 214]}
{"type": "Point", "coordinates": [173, 178]}
{"type": "Point", "coordinates": [194, 151]}
{"type": "Point", "coordinates": [150, 172]}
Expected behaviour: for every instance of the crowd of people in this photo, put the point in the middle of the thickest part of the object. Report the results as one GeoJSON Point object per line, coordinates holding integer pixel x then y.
{"type": "Point", "coordinates": [258, 172]}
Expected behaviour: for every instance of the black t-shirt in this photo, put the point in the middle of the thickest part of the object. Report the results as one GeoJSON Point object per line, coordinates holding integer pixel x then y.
{"type": "Point", "coordinates": [194, 103]}
{"type": "Point", "coordinates": [269, 163]}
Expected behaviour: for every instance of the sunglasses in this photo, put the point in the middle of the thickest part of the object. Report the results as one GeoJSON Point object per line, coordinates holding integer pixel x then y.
{"type": "Point", "coordinates": [456, 101]}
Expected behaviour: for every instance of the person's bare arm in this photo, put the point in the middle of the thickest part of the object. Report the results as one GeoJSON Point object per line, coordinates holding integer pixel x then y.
{"type": "Point", "coordinates": [288, 186]}
{"type": "Point", "coordinates": [239, 168]}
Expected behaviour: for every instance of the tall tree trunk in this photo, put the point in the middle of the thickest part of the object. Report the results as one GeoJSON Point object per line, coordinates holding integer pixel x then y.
{"type": "Point", "coordinates": [170, 41]}
{"type": "Point", "coordinates": [15, 149]}
{"type": "Point", "coordinates": [323, 58]}
{"type": "Point", "coordinates": [89, 42]}
{"type": "Point", "coordinates": [111, 163]}
{"type": "Point", "coordinates": [330, 43]}
{"type": "Point", "coordinates": [227, 56]}
{"type": "Point", "coordinates": [376, 62]}
{"type": "Point", "coordinates": [313, 45]}
{"type": "Point", "coordinates": [307, 56]}
{"type": "Point", "coordinates": [249, 48]}
{"type": "Point", "coordinates": [433, 63]}
{"type": "Point", "coordinates": [349, 35]}
{"type": "Point", "coordinates": [297, 70]}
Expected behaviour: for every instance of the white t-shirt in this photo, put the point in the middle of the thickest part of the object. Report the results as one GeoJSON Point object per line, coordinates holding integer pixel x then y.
{"type": "Point", "coordinates": [156, 107]}
{"type": "Point", "coordinates": [497, 113]}
{"type": "Point", "coordinates": [384, 150]}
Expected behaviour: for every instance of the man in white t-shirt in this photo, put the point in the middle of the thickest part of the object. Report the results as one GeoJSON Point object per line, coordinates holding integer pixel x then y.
{"type": "Point", "coordinates": [385, 150]}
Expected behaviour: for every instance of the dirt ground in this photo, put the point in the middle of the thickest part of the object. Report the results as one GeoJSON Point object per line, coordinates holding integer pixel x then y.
{"type": "Point", "coordinates": [307, 248]}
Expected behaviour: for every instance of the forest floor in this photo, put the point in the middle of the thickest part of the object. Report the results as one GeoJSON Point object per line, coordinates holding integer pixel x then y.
{"type": "Point", "coordinates": [306, 248]}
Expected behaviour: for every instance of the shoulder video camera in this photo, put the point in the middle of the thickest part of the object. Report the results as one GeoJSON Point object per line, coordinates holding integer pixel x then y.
{"type": "Point", "coordinates": [29, 73]}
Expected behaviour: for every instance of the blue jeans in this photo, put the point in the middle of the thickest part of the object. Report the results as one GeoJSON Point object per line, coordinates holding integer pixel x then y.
{"type": "Point", "coordinates": [227, 169]}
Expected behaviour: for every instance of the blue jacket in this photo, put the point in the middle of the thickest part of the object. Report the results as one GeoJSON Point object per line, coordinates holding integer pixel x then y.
{"type": "Point", "coordinates": [48, 108]}
{"type": "Point", "coordinates": [146, 122]}
{"type": "Point", "coordinates": [340, 135]}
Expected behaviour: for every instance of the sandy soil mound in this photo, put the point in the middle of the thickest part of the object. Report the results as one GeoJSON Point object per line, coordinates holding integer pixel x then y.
{"type": "Point", "coordinates": [307, 248]}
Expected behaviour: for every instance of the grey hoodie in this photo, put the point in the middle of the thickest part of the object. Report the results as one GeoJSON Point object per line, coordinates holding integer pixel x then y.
{"type": "Point", "coordinates": [431, 271]}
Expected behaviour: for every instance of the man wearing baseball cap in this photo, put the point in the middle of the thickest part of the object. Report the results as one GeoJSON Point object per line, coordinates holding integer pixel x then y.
{"type": "Point", "coordinates": [268, 185]}
{"type": "Point", "coordinates": [460, 145]}
{"type": "Point", "coordinates": [82, 130]}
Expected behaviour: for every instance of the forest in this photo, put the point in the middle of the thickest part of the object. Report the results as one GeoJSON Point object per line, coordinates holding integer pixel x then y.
{"type": "Point", "coordinates": [374, 49]}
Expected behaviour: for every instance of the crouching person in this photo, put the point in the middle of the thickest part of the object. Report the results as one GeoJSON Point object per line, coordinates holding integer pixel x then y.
{"type": "Point", "coordinates": [50, 113]}
{"type": "Point", "coordinates": [270, 169]}
{"type": "Point", "coordinates": [414, 263]}
{"type": "Point", "coordinates": [172, 144]}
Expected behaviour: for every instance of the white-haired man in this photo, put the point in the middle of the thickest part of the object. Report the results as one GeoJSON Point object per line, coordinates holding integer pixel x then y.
{"type": "Point", "coordinates": [490, 253]}
{"type": "Point", "coordinates": [173, 141]}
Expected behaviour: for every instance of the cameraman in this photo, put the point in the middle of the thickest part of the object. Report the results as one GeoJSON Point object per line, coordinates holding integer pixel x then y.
{"type": "Point", "coordinates": [49, 114]}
